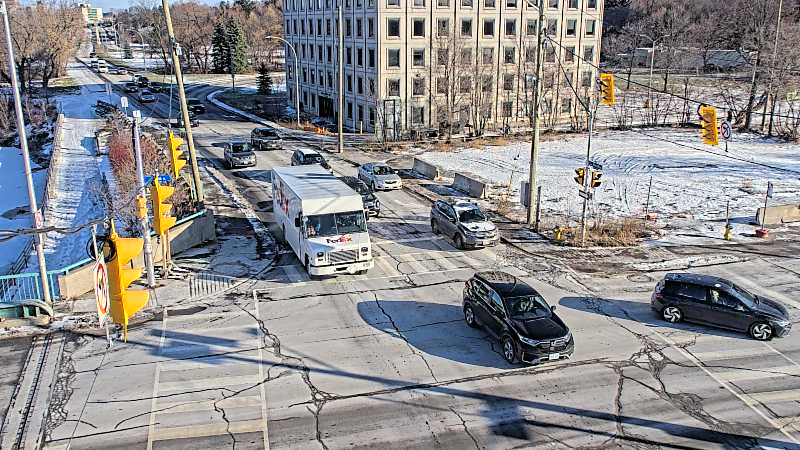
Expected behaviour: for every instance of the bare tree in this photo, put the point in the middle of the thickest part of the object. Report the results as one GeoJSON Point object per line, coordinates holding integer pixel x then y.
{"type": "Point", "coordinates": [453, 85]}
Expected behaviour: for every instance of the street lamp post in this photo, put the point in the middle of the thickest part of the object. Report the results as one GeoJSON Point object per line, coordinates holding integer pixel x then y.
{"type": "Point", "coordinates": [144, 54]}
{"type": "Point", "coordinates": [296, 76]}
{"type": "Point", "coordinates": [652, 60]}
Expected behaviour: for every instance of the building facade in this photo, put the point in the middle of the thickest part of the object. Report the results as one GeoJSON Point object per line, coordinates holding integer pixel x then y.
{"type": "Point", "coordinates": [91, 15]}
{"type": "Point", "coordinates": [422, 64]}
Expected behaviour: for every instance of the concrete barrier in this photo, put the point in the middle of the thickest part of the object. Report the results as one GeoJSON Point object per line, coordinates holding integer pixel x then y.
{"type": "Point", "coordinates": [425, 169]}
{"type": "Point", "coordinates": [470, 185]}
{"type": "Point", "coordinates": [182, 237]}
{"type": "Point", "coordinates": [778, 214]}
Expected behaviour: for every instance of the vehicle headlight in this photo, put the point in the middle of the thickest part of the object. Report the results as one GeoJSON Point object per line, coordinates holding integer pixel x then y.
{"type": "Point", "coordinates": [364, 250]}
{"type": "Point", "coordinates": [568, 336]}
{"type": "Point", "coordinates": [320, 255]}
{"type": "Point", "coordinates": [782, 323]}
{"type": "Point", "coordinates": [527, 341]}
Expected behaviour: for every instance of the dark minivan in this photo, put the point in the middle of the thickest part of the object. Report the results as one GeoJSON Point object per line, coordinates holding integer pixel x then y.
{"type": "Point", "coordinates": [718, 302]}
{"type": "Point", "coordinates": [516, 314]}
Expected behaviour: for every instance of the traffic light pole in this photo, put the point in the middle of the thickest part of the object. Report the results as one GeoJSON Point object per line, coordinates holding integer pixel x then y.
{"type": "Point", "coordinates": [38, 238]}
{"type": "Point", "coordinates": [148, 249]}
{"type": "Point", "coordinates": [587, 174]}
{"type": "Point", "coordinates": [533, 207]}
{"type": "Point", "coordinates": [176, 64]}
{"type": "Point", "coordinates": [340, 116]}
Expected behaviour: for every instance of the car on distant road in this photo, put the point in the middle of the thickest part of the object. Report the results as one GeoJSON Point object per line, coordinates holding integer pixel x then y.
{"type": "Point", "coordinates": [307, 156]}
{"type": "Point", "coordinates": [146, 96]}
{"type": "Point", "coordinates": [114, 71]}
{"type": "Point", "coordinates": [142, 81]}
{"type": "Point", "coordinates": [193, 122]}
{"type": "Point", "coordinates": [131, 87]}
{"type": "Point", "coordinates": [529, 330]}
{"type": "Point", "coordinates": [379, 176]}
{"type": "Point", "coordinates": [372, 206]}
{"type": "Point", "coordinates": [239, 154]}
{"type": "Point", "coordinates": [196, 105]}
{"type": "Point", "coordinates": [157, 87]}
{"type": "Point", "coordinates": [265, 138]}
{"type": "Point", "coordinates": [721, 303]}
{"type": "Point", "coordinates": [464, 222]}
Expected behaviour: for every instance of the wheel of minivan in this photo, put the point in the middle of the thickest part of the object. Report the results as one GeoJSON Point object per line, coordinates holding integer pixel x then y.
{"type": "Point", "coordinates": [509, 349]}
{"type": "Point", "coordinates": [761, 331]}
{"type": "Point", "coordinates": [434, 227]}
{"type": "Point", "coordinates": [469, 317]}
{"type": "Point", "coordinates": [672, 314]}
{"type": "Point", "coordinates": [459, 241]}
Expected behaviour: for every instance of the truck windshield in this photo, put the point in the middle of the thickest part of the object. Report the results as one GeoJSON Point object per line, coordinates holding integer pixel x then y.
{"type": "Point", "coordinates": [336, 224]}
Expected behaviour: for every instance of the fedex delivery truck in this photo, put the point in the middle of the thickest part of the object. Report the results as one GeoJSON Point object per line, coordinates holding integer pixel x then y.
{"type": "Point", "coordinates": [322, 219]}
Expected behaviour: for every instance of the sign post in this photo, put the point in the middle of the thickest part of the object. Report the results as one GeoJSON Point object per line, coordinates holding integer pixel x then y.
{"type": "Point", "coordinates": [102, 298]}
{"type": "Point", "coordinates": [727, 131]}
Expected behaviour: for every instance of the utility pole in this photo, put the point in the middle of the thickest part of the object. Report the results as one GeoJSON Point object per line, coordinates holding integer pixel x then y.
{"type": "Point", "coordinates": [176, 64]}
{"type": "Point", "coordinates": [340, 116]}
{"type": "Point", "coordinates": [772, 76]}
{"type": "Point", "coordinates": [587, 175]}
{"type": "Point", "coordinates": [533, 207]}
{"type": "Point", "coordinates": [23, 144]}
{"type": "Point", "coordinates": [148, 249]}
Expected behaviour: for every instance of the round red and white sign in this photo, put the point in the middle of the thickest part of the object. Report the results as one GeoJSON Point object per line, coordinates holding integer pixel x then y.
{"type": "Point", "coordinates": [101, 289]}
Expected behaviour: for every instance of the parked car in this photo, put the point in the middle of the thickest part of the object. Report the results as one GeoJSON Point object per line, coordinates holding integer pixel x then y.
{"type": "Point", "coordinates": [379, 176]}
{"type": "Point", "coordinates": [529, 330]}
{"type": "Point", "coordinates": [372, 206]}
{"type": "Point", "coordinates": [306, 156]}
{"type": "Point", "coordinates": [196, 105]}
{"type": "Point", "coordinates": [718, 302]}
{"type": "Point", "coordinates": [114, 71]}
{"type": "Point", "coordinates": [239, 154]}
{"type": "Point", "coordinates": [146, 96]}
{"type": "Point", "coordinates": [131, 87]}
{"type": "Point", "coordinates": [265, 138]}
{"type": "Point", "coordinates": [464, 222]}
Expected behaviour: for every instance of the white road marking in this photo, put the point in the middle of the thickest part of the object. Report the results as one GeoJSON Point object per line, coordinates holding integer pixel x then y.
{"type": "Point", "coordinates": [385, 265]}
{"type": "Point", "coordinates": [784, 356]}
{"type": "Point", "coordinates": [208, 405]}
{"type": "Point", "coordinates": [154, 399]}
{"type": "Point", "coordinates": [783, 395]}
{"type": "Point", "coordinates": [208, 383]}
{"type": "Point", "coordinates": [719, 355]}
{"type": "Point", "coordinates": [262, 387]}
{"type": "Point", "coordinates": [209, 429]}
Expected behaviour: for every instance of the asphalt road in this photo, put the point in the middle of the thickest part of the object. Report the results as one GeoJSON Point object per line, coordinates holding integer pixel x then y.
{"type": "Point", "coordinates": [384, 360]}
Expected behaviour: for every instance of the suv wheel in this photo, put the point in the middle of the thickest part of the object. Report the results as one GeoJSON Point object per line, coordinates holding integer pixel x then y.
{"type": "Point", "coordinates": [672, 314]}
{"type": "Point", "coordinates": [509, 349]}
{"type": "Point", "coordinates": [469, 317]}
{"type": "Point", "coordinates": [761, 331]}
{"type": "Point", "coordinates": [434, 227]}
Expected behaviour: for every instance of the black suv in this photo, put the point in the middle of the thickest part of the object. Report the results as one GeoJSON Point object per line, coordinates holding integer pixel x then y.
{"type": "Point", "coordinates": [305, 157]}
{"type": "Point", "coordinates": [517, 315]}
{"type": "Point", "coordinates": [716, 301]}
{"type": "Point", "coordinates": [372, 206]}
{"type": "Point", "coordinates": [195, 105]}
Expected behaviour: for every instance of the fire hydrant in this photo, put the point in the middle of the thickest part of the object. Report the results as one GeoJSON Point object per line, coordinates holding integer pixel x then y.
{"type": "Point", "coordinates": [558, 234]}
{"type": "Point", "coordinates": [728, 232]}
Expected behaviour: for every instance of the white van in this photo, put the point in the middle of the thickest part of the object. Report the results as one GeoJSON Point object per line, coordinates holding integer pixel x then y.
{"type": "Point", "coordinates": [322, 220]}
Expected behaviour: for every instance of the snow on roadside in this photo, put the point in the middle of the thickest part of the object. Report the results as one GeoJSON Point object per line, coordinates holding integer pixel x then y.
{"type": "Point", "coordinates": [691, 187]}
{"type": "Point", "coordinates": [14, 207]}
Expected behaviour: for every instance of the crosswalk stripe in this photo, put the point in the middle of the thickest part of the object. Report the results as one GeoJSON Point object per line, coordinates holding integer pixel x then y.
{"type": "Point", "coordinates": [209, 429]}
{"type": "Point", "coordinates": [211, 361]}
{"type": "Point", "coordinates": [446, 263]}
{"type": "Point", "coordinates": [719, 355]}
{"type": "Point", "coordinates": [766, 372]}
{"type": "Point", "coordinates": [208, 405]}
{"type": "Point", "coordinates": [414, 266]}
{"type": "Point", "coordinates": [784, 395]}
{"type": "Point", "coordinates": [385, 265]}
{"type": "Point", "coordinates": [207, 383]}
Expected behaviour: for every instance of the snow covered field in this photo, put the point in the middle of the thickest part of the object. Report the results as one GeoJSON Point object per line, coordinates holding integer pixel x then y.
{"type": "Point", "coordinates": [14, 212]}
{"type": "Point", "coordinates": [691, 182]}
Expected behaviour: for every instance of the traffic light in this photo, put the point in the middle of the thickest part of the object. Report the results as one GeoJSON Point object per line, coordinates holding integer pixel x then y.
{"type": "Point", "coordinates": [125, 302]}
{"type": "Point", "coordinates": [581, 174]}
{"type": "Point", "coordinates": [708, 123]}
{"type": "Point", "coordinates": [595, 181]}
{"type": "Point", "coordinates": [173, 147]}
{"type": "Point", "coordinates": [607, 89]}
{"type": "Point", "coordinates": [159, 194]}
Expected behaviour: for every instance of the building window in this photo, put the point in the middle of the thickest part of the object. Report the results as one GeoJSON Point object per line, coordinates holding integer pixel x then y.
{"type": "Point", "coordinates": [371, 58]}
{"type": "Point", "coordinates": [574, 4]}
{"type": "Point", "coordinates": [418, 57]}
{"type": "Point", "coordinates": [392, 2]}
{"type": "Point", "coordinates": [311, 27]}
{"type": "Point", "coordinates": [488, 27]}
{"type": "Point", "coordinates": [530, 54]}
{"type": "Point", "coordinates": [508, 82]}
{"type": "Point", "coordinates": [303, 51]}
{"type": "Point", "coordinates": [305, 75]}
{"type": "Point", "coordinates": [350, 110]}
{"type": "Point", "coordinates": [327, 27]}
{"type": "Point", "coordinates": [303, 27]}
{"type": "Point", "coordinates": [393, 87]}
{"type": "Point", "coordinates": [586, 79]}
{"type": "Point", "coordinates": [359, 28]}
{"type": "Point", "coordinates": [465, 84]}
{"type": "Point", "coordinates": [466, 27]}
{"type": "Point", "coordinates": [488, 3]}
{"type": "Point", "coordinates": [330, 79]}
{"type": "Point", "coordinates": [530, 28]}
{"type": "Point", "coordinates": [466, 3]}
{"type": "Point", "coordinates": [393, 28]}
{"type": "Point", "coordinates": [442, 56]}
{"type": "Point", "coordinates": [371, 87]}
{"type": "Point", "coordinates": [487, 83]}
{"type": "Point", "coordinates": [572, 26]}
{"type": "Point", "coordinates": [590, 27]}
{"type": "Point", "coordinates": [330, 56]}
{"type": "Point", "coordinates": [313, 100]}
{"type": "Point", "coordinates": [349, 83]}
{"type": "Point", "coordinates": [319, 29]}
{"type": "Point", "coordinates": [305, 98]}
{"type": "Point", "coordinates": [348, 27]}
{"type": "Point", "coordinates": [360, 57]}
{"type": "Point", "coordinates": [487, 55]}
{"type": "Point", "coordinates": [507, 108]}
{"type": "Point", "coordinates": [569, 54]}
{"type": "Point", "coordinates": [418, 86]}
{"type": "Point", "coordinates": [443, 3]}
{"type": "Point", "coordinates": [588, 53]}
{"type": "Point", "coordinates": [417, 115]}
{"type": "Point", "coordinates": [568, 79]}
{"type": "Point", "coordinates": [466, 56]}
{"type": "Point", "coordinates": [370, 27]}
{"type": "Point", "coordinates": [511, 3]}
{"type": "Point", "coordinates": [393, 59]}
{"type": "Point", "coordinates": [553, 4]}
{"type": "Point", "coordinates": [360, 115]}
{"type": "Point", "coordinates": [591, 4]}
{"type": "Point", "coordinates": [511, 27]}
{"type": "Point", "coordinates": [360, 85]}
{"type": "Point", "coordinates": [418, 28]}
{"type": "Point", "coordinates": [550, 54]}
{"type": "Point", "coordinates": [566, 104]}
{"type": "Point", "coordinates": [419, 3]}
{"type": "Point", "coordinates": [509, 55]}
{"type": "Point", "coordinates": [319, 52]}
{"type": "Point", "coordinates": [552, 27]}
{"type": "Point", "coordinates": [371, 116]}
{"type": "Point", "coordinates": [442, 27]}
{"type": "Point", "coordinates": [441, 85]}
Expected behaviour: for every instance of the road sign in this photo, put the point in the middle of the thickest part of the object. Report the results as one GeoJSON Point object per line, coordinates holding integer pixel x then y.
{"type": "Point", "coordinates": [123, 101]}
{"type": "Point", "coordinates": [101, 290]}
{"type": "Point", "coordinates": [585, 194]}
{"type": "Point", "coordinates": [108, 88]}
{"type": "Point", "coordinates": [595, 166]}
{"type": "Point", "coordinates": [38, 220]}
{"type": "Point", "coordinates": [726, 130]}
{"type": "Point", "coordinates": [162, 179]}
{"type": "Point", "coordinates": [770, 189]}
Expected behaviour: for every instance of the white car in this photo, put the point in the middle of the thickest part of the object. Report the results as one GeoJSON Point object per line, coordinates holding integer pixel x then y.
{"type": "Point", "coordinates": [379, 176]}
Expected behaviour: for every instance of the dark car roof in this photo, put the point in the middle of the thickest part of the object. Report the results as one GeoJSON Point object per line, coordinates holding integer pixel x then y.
{"type": "Point", "coordinates": [696, 278]}
{"type": "Point", "coordinates": [505, 284]}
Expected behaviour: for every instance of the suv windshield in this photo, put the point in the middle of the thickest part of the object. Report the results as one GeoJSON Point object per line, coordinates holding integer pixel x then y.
{"type": "Point", "coordinates": [265, 133]}
{"type": "Point", "coordinates": [382, 170]}
{"type": "Point", "coordinates": [528, 307]}
{"type": "Point", "coordinates": [192, 101]}
{"type": "Point", "coordinates": [336, 224]}
{"type": "Point", "coordinates": [471, 215]}
{"type": "Point", "coordinates": [240, 147]}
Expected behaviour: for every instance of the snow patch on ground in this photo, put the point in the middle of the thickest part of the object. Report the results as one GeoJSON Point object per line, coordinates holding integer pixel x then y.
{"type": "Point", "coordinates": [14, 206]}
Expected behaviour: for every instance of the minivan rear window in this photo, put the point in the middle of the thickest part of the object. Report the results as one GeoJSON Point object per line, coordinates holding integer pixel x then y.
{"type": "Point", "coordinates": [685, 290]}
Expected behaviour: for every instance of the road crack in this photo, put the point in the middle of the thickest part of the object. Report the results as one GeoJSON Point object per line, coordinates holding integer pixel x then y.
{"type": "Point", "coordinates": [466, 428]}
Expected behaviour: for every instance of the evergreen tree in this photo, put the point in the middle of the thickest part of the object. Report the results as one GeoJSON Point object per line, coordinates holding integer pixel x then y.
{"type": "Point", "coordinates": [237, 48]}
{"type": "Point", "coordinates": [264, 81]}
{"type": "Point", "coordinates": [219, 49]}
{"type": "Point", "coordinates": [248, 6]}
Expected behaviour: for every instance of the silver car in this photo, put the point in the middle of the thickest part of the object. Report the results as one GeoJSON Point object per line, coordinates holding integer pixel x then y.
{"type": "Point", "coordinates": [379, 176]}
{"type": "Point", "coordinates": [239, 154]}
{"type": "Point", "coordinates": [464, 222]}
